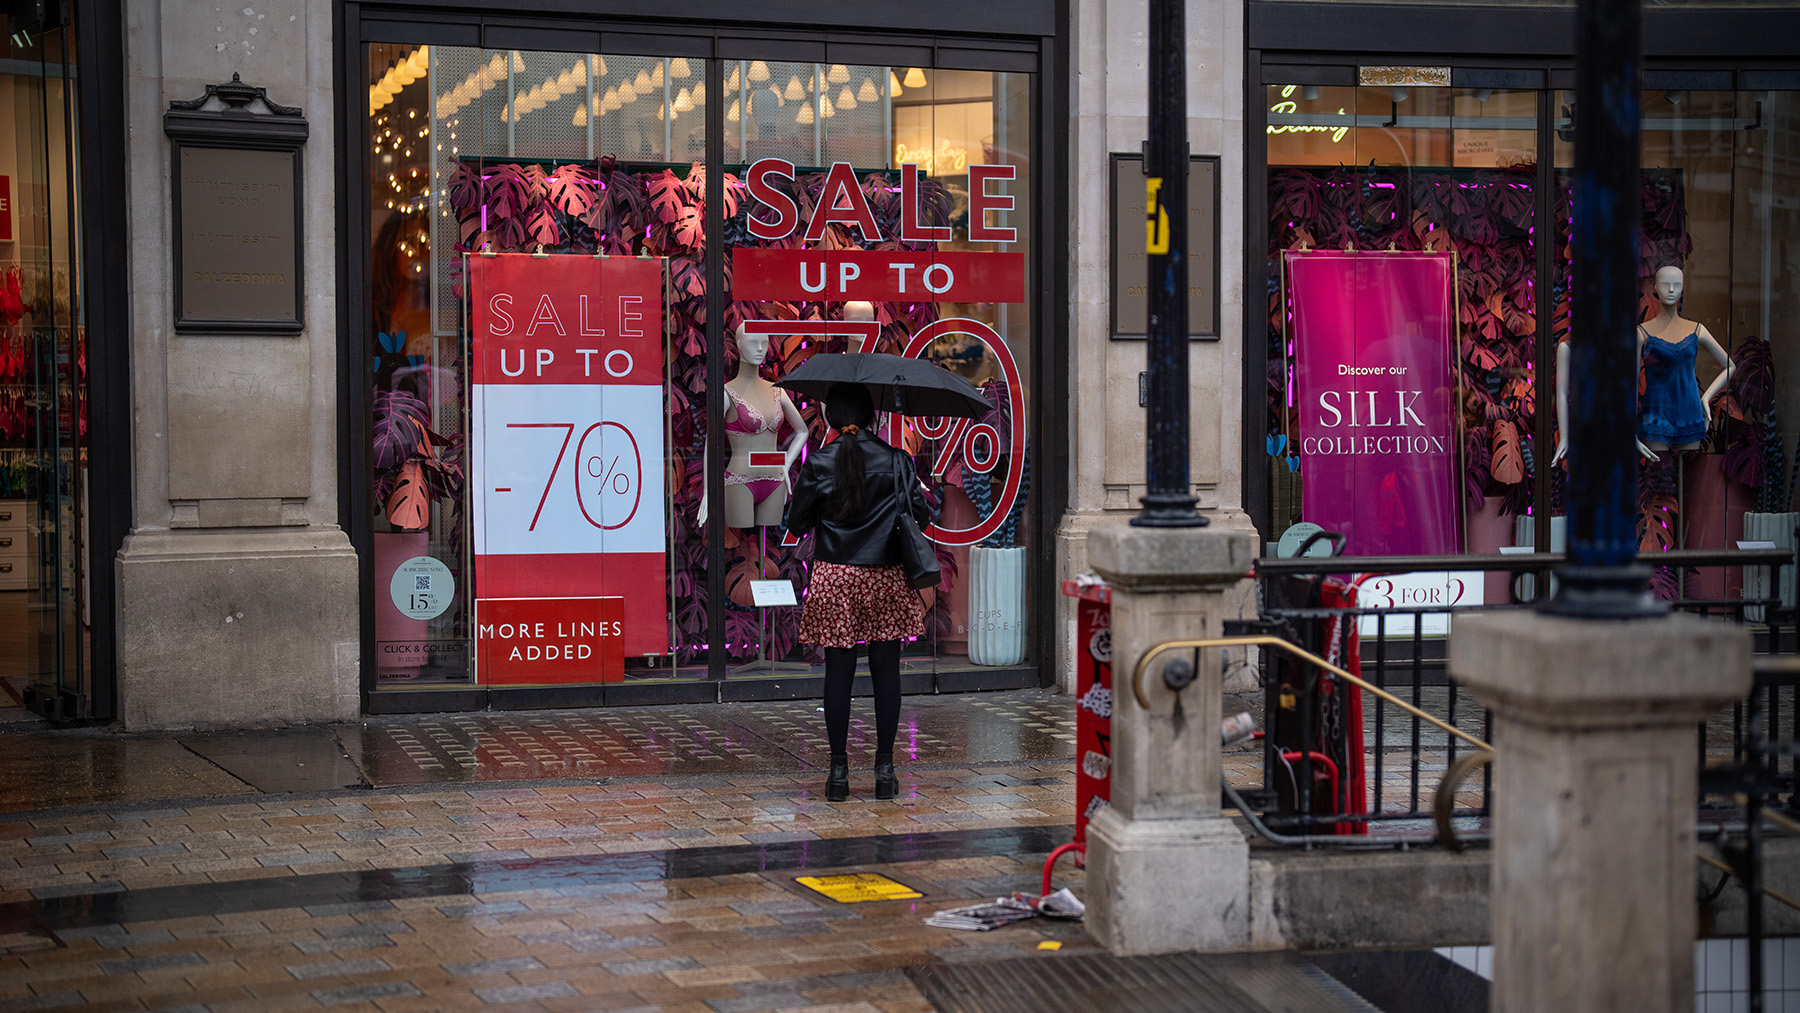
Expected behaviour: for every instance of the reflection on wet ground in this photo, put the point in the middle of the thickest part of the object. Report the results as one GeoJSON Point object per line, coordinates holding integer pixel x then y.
{"type": "Point", "coordinates": [568, 875]}
{"type": "Point", "coordinates": [45, 769]}
{"type": "Point", "coordinates": [639, 858]}
{"type": "Point", "coordinates": [715, 738]}
{"type": "Point", "coordinates": [671, 891]}
{"type": "Point", "coordinates": [50, 768]}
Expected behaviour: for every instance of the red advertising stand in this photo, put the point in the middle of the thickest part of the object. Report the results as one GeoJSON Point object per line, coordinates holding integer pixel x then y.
{"type": "Point", "coordinates": [551, 640]}
{"type": "Point", "coordinates": [1093, 700]}
{"type": "Point", "coordinates": [1093, 711]}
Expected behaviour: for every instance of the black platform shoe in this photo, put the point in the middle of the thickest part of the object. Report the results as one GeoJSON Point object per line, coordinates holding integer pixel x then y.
{"type": "Point", "coordinates": [837, 783]}
{"type": "Point", "coordinates": [887, 783]}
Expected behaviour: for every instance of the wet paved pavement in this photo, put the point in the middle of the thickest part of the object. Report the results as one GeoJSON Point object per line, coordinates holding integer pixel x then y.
{"type": "Point", "coordinates": [642, 858]}
{"type": "Point", "coordinates": [48, 769]}
{"type": "Point", "coordinates": [616, 859]}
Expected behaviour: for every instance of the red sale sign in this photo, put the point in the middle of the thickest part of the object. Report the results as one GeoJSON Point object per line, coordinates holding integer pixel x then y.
{"type": "Point", "coordinates": [532, 641]}
{"type": "Point", "coordinates": [566, 409]}
{"type": "Point", "coordinates": [877, 275]}
{"type": "Point", "coordinates": [1375, 384]}
{"type": "Point", "coordinates": [882, 275]}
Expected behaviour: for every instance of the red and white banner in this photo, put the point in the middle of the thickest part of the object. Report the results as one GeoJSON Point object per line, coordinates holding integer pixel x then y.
{"type": "Point", "coordinates": [1373, 336]}
{"type": "Point", "coordinates": [566, 406]}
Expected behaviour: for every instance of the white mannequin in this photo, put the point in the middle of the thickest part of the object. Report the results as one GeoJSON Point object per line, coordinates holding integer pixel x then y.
{"type": "Point", "coordinates": [765, 403]}
{"type": "Point", "coordinates": [1668, 326]}
{"type": "Point", "coordinates": [859, 311]}
{"type": "Point", "coordinates": [1562, 409]}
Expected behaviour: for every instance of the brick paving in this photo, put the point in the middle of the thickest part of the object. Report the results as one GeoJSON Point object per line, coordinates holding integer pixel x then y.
{"type": "Point", "coordinates": [532, 861]}
{"type": "Point", "coordinates": [739, 942]}
{"type": "Point", "coordinates": [468, 869]}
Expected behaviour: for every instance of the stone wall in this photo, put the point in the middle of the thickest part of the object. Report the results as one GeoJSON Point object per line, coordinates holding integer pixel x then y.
{"type": "Point", "coordinates": [1110, 102]}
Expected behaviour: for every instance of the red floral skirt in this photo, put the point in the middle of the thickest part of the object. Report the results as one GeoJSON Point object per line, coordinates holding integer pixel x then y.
{"type": "Point", "coordinates": [850, 605]}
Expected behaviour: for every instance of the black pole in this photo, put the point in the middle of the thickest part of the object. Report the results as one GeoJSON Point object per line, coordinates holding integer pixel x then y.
{"type": "Point", "coordinates": [1601, 578]}
{"type": "Point", "coordinates": [1169, 500]}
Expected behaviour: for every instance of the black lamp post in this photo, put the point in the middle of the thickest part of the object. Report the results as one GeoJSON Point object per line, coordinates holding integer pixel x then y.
{"type": "Point", "coordinates": [1169, 500]}
{"type": "Point", "coordinates": [1601, 578]}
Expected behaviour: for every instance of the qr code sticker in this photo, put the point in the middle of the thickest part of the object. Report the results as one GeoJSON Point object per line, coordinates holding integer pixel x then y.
{"type": "Point", "coordinates": [1094, 805]}
{"type": "Point", "coordinates": [1096, 764]}
{"type": "Point", "coordinates": [1097, 700]}
{"type": "Point", "coordinates": [422, 582]}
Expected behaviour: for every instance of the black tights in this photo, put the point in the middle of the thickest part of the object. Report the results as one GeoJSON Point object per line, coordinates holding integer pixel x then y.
{"type": "Point", "coordinates": [840, 672]}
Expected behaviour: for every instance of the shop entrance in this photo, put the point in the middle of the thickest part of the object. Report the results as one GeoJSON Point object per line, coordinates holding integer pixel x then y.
{"type": "Point", "coordinates": [45, 615]}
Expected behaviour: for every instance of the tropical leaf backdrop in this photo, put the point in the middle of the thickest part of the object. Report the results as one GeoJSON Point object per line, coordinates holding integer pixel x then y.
{"type": "Point", "coordinates": [605, 207]}
{"type": "Point", "coordinates": [1487, 216]}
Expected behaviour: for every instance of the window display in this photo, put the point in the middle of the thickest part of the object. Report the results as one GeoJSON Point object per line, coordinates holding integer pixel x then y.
{"type": "Point", "coordinates": [873, 209]}
{"type": "Point", "coordinates": [1456, 170]}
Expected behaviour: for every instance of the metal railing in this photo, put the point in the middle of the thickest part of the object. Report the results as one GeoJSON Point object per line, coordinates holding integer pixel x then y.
{"type": "Point", "coordinates": [1412, 740]}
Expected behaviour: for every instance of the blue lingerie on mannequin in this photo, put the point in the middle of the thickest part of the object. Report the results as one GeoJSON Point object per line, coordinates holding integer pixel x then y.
{"type": "Point", "coordinates": [1670, 411]}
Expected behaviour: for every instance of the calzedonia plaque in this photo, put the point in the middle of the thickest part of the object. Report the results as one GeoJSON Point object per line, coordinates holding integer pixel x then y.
{"type": "Point", "coordinates": [235, 157]}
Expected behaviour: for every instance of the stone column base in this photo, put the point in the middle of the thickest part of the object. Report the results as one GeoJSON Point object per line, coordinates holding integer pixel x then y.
{"type": "Point", "coordinates": [1594, 791]}
{"type": "Point", "coordinates": [1172, 886]}
{"type": "Point", "coordinates": [235, 628]}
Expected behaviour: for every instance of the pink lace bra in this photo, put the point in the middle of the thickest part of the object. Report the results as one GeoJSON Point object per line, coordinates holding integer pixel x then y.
{"type": "Point", "coordinates": [748, 419]}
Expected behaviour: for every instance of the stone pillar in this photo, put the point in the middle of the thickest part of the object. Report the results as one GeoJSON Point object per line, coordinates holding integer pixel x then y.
{"type": "Point", "coordinates": [1594, 795]}
{"type": "Point", "coordinates": [237, 589]}
{"type": "Point", "coordinates": [1166, 871]}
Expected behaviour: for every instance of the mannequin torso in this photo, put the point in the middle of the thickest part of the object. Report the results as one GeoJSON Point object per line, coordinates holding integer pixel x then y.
{"type": "Point", "coordinates": [755, 494]}
{"type": "Point", "coordinates": [1672, 414]}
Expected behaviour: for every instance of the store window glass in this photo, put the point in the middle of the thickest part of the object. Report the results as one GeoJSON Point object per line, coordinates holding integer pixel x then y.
{"type": "Point", "coordinates": [1407, 214]}
{"type": "Point", "coordinates": [1717, 276]}
{"type": "Point", "coordinates": [45, 618]}
{"type": "Point", "coordinates": [966, 133]}
{"type": "Point", "coordinates": [1717, 406]}
{"type": "Point", "coordinates": [530, 166]}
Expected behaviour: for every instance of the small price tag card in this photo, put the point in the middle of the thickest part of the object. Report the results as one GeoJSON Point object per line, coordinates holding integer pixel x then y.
{"type": "Point", "coordinates": [772, 592]}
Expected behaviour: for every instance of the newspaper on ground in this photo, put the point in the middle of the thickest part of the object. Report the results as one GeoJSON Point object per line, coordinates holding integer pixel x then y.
{"type": "Point", "coordinates": [1006, 910]}
{"type": "Point", "coordinates": [1061, 904]}
{"type": "Point", "coordinates": [982, 917]}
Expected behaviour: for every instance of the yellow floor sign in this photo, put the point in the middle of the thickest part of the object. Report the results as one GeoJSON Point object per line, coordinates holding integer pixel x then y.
{"type": "Point", "coordinates": [858, 887]}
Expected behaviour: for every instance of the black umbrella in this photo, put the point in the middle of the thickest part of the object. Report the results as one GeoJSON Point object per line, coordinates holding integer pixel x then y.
{"type": "Point", "coordinates": [912, 387]}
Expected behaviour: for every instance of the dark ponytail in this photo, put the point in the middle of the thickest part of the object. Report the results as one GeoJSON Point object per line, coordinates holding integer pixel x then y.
{"type": "Point", "coordinates": [849, 409]}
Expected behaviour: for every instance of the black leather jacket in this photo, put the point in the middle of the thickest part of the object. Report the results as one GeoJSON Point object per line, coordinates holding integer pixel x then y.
{"type": "Point", "coordinates": [868, 540]}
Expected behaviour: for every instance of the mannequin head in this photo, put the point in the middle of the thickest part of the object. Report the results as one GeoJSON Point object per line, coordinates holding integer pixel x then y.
{"type": "Point", "coordinates": [752, 348]}
{"type": "Point", "coordinates": [1669, 284]}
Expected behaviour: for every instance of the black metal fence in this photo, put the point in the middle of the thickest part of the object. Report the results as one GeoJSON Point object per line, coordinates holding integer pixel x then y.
{"type": "Point", "coordinates": [1349, 767]}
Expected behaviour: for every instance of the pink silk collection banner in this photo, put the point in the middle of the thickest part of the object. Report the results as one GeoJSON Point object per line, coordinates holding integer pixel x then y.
{"type": "Point", "coordinates": [1375, 385]}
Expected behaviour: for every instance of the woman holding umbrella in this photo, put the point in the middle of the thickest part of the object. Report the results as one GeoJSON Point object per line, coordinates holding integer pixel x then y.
{"type": "Point", "coordinates": [849, 497]}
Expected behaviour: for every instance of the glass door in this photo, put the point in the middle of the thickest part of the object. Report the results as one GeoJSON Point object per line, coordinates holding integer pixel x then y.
{"type": "Point", "coordinates": [44, 620]}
